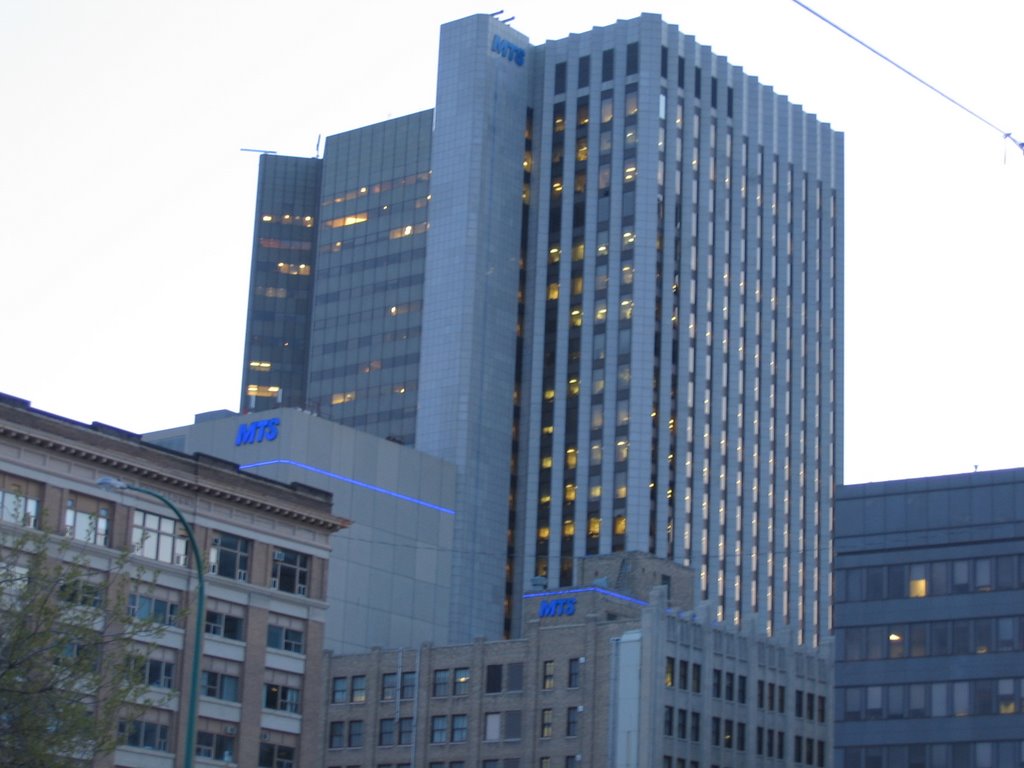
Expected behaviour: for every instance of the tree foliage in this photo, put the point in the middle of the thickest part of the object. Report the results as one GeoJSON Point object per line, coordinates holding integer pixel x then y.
{"type": "Point", "coordinates": [72, 653]}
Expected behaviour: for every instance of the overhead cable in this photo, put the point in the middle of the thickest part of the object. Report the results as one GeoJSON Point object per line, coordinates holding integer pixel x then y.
{"type": "Point", "coordinates": [1005, 134]}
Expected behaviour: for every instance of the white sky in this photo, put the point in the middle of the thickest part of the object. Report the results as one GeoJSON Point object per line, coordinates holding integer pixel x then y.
{"type": "Point", "coordinates": [126, 207]}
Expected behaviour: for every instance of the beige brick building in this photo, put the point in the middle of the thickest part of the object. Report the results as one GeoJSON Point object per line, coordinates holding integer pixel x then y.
{"type": "Point", "coordinates": [265, 545]}
{"type": "Point", "coordinates": [600, 678]}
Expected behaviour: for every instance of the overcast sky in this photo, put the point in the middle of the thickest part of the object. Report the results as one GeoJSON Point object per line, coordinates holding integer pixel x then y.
{"type": "Point", "coordinates": [126, 207]}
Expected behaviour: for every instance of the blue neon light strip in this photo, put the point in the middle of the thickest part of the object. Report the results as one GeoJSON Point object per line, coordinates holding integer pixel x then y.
{"type": "Point", "coordinates": [579, 590]}
{"type": "Point", "coordinates": [350, 481]}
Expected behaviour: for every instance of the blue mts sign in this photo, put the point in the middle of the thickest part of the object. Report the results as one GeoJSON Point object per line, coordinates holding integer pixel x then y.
{"type": "Point", "coordinates": [566, 606]}
{"type": "Point", "coordinates": [257, 431]}
{"type": "Point", "coordinates": [506, 50]}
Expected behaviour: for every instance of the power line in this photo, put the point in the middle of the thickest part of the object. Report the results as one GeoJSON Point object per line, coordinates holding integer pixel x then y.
{"type": "Point", "coordinates": [1005, 134]}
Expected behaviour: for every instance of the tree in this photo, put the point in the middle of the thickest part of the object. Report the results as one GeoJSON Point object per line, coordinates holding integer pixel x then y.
{"type": "Point", "coordinates": [73, 649]}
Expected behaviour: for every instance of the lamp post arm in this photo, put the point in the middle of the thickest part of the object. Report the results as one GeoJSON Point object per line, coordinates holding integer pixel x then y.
{"type": "Point", "coordinates": [197, 645]}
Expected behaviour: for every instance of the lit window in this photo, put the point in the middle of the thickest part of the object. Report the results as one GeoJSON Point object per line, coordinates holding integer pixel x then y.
{"type": "Point", "coordinates": [338, 398]}
{"type": "Point", "coordinates": [620, 525]}
{"type": "Point", "coordinates": [918, 586]}
{"type": "Point", "coordinates": [281, 698]}
{"type": "Point", "coordinates": [347, 221]}
{"type": "Point", "coordinates": [267, 217]}
{"type": "Point", "coordinates": [259, 365]}
{"type": "Point", "coordinates": [286, 268]}
{"type": "Point", "coordinates": [254, 390]}
{"type": "Point", "coordinates": [594, 526]}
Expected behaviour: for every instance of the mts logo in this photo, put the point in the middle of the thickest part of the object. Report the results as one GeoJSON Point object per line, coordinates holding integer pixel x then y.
{"type": "Point", "coordinates": [506, 50]}
{"type": "Point", "coordinates": [257, 432]}
{"type": "Point", "coordinates": [566, 606]}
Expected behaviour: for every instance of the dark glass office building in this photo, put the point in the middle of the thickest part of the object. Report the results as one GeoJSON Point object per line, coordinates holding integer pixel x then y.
{"type": "Point", "coordinates": [929, 589]}
{"type": "Point", "coordinates": [603, 277]}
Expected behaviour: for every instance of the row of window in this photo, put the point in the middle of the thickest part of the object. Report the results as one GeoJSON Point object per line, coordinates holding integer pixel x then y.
{"type": "Point", "coordinates": [935, 579]}
{"type": "Point", "coordinates": [981, 754]}
{"type": "Point", "coordinates": [217, 746]}
{"type": "Point", "coordinates": [1000, 634]}
{"type": "Point", "coordinates": [498, 678]}
{"type": "Point", "coordinates": [454, 729]}
{"type": "Point", "coordinates": [163, 539]}
{"type": "Point", "coordinates": [959, 698]}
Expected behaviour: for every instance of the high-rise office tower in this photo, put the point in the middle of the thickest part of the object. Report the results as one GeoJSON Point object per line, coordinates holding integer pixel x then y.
{"type": "Point", "coordinates": [604, 278]}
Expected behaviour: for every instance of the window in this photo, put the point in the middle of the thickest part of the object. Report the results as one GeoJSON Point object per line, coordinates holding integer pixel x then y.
{"type": "Point", "coordinates": [546, 723]}
{"type": "Point", "coordinates": [339, 690]}
{"type": "Point", "coordinates": [408, 688]}
{"type": "Point", "coordinates": [716, 683]}
{"type": "Point", "coordinates": [79, 524]}
{"type": "Point", "coordinates": [441, 684]}
{"type": "Point", "coordinates": [438, 729]}
{"type": "Point", "coordinates": [572, 721]}
{"type": "Point", "coordinates": [336, 733]}
{"type": "Point", "coordinates": [405, 730]}
{"type": "Point", "coordinates": [460, 727]}
{"type": "Point", "coordinates": [159, 673]}
{"type": "Point", "coordinates": [216, 746]}
{"type": "Point", "coordinates": [670, 671]}
{"type": "Point", "coordinates": [283, 639]}
{"type": "Point", "coordinates": [492, 726]}
{"type": "Point", "coordinates": [19, 503]}
{"type": "Point", "coordinates": [153, 609]}
{"type": "Point", "coordinates": [574, 673]}
{"type": "Point", "coordinates": [223, 625]}
{"type": "Point", "coordinates": [513, 725]}
{"type": "Point", "coordinates": [461, 687]}
{"type": "Point", "coordinates": [281, 698]}
{"type": "Point", "coordinates": [386, 732]}
{"type": "Point", "coordinates": [548, 675]}
{"type": "Point", "coordinates": [290, 572]}
{"type": "Point", "coordinates": [138, 733]}
{"type": "Point", "coordinates": [388, 686]}
{"type": "Point", "coordinates": [514, 676]}
{"type": "Point", "coordinates": [492, 682]}
{"type": "Point", "coordinates": [355, 732]}
{"type": "Point", "coordinates": [695, 678]}
{"type": "Point", "coordinates": [217, 685]}
{"type": "Point", "coordinates": [358, 688]}
{"type": "Point", "coordinates": [276, 756]}
{"type": "Point", "coordinates": [158, 538]}
{"type": "Point", "coordinates": [229, 557]}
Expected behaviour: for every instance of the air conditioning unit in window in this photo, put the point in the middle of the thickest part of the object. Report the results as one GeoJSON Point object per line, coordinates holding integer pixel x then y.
{"type": "Point", "coordinates": [579, 708]}
{"type": "Point", "coordinates": [231, 730]}
{"type": "Point", "coordinates": [181, 559]}
{"type": "Point", "coordinates": [278, 555]}
{"type": "Point", "coordinates": [213, 568]}
{"type": "Point", "coordinates": [273, 583]}
{"type": "Point", "coordinates": [301, 589]}
{"type": "Point", "coordinates": [242, 575]}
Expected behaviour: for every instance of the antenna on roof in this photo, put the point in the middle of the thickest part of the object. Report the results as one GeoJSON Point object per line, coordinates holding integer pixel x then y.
{"type": "Point", "coordinates": [506, 21]}
{"type": "Point", "coordinates": [496, 14]}
{"type": "Point", "coordinates": [318, 137]}
{"type": "Point", "coordinates": [261, 151]}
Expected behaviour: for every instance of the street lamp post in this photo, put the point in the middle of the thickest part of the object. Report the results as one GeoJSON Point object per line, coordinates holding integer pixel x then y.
{"type": "Point", "coordinates": [197, 646]}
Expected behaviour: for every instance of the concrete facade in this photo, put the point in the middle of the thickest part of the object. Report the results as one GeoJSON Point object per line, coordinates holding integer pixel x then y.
{"type": "Point", "coordinates": [261, 703]}
{"type": "Point", "coordinates": [929, 583]}
{"type": "Point", "coordinates": [390, 571]}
